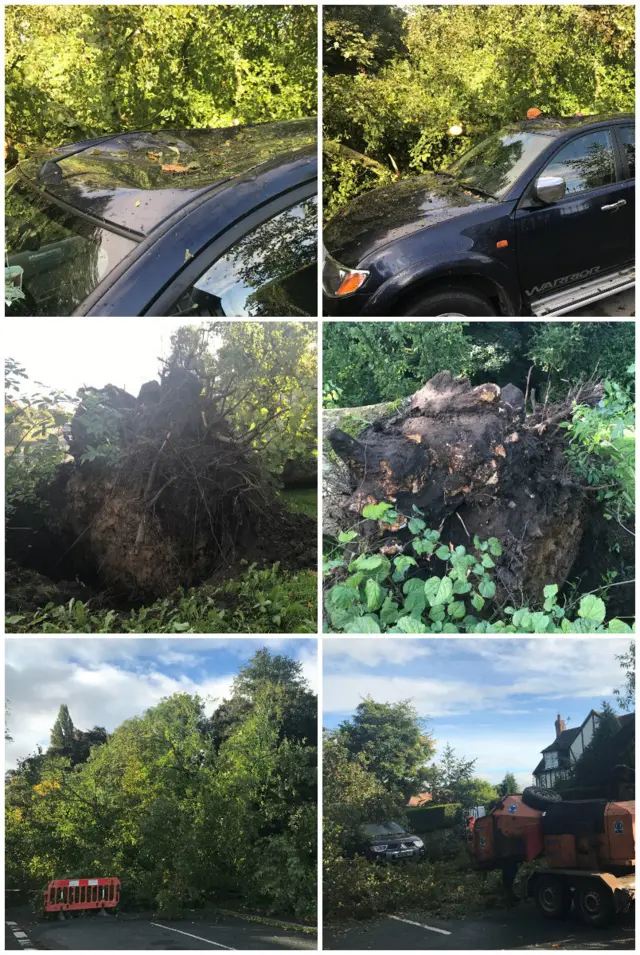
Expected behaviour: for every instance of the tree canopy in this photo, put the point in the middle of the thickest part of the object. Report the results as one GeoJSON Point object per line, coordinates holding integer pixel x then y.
{"type": "Point", "coordinates": [391, 742]}
{"type": "Point", "coordinates": [181, 814]}
{"type": "Point", "coordinates": [73, 72]}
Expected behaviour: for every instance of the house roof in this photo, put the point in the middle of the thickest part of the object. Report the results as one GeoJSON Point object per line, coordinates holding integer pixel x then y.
{"type": "Point", "coordinates": [563, 742]}
{"type": "Point", "coordinates": [565, 739]}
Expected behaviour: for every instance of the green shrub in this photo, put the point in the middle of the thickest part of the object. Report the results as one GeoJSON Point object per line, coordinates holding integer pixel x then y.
{"type": "Point", "coordinates": [430, 818]}
{"type": "Point", "coordinates": [378, 595]}
{"type": "Point", "coordinates": [603, 445]}
{"type": "Point", "coordinates": [259, 601]}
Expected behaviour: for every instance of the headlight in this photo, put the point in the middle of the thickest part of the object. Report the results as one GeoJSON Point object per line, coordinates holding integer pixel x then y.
{"type": "Point", "coordinates": [339, 281]}
{"type": "Point", "coordinates": [379, 848]}
{"type": "Point", "coordinates": [418, 843]}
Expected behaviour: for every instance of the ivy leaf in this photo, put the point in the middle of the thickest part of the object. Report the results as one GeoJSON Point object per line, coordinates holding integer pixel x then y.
{"type": "Point", "coordinates": [540, 622]}
{"type": "Point", "coordinates": [495, 547]}
{"type": "Point", "coordinates": [403, 562]}
{"type": "Point", "coordinates": [431, 587]}
{"type": "Point", "coordinates": [619, 626]}
{"type": "Point", "coordinates": [445, 591]}
{"type": "Point", "coordinates": [345, 536]}
{"type": "Point", "coordinates": [477, 602]}
{"type": "Point", "coordinates": [487, 588]}
{"type": "Point", "coordinates": [423, 546]}
{"type": "Point", "coordinates": [374, 512]}
{"type": "Point", "coordinates": [487, 562]}
{"type": "Point", "coordinates": [374, 594]}
{"type": "Point", "coordinates": [443, 552]}
{"type": "Point", "coordinates": [461, 587]}
{"type": "Point", "coordinates": [593, 608]}
{"type": "Point", "coordinates": [389, 611]}
{"type": "Point", "coordinates": [550, 590]}
{"type": "Point", "coordinates": [367, 624]}
{"type": "Point", "coordinates": [416, 525]}
{"type": "Point", "coordinates": [457, 609]}
{"type": "Point", "coordinates": [410, 625]}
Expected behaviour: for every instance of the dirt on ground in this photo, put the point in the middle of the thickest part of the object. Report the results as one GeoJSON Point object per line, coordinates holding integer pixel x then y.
{"type": "Point", "coordinates": [474, 464]}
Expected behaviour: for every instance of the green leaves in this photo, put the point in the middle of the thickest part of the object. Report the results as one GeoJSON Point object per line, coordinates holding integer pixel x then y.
{"type": "Point", "coordinates": [592, 608]}
{"type": "Point", "coordinates": [487, 588]}
{"type": "Point", "coordinates": [375, 512]}
{"type": "Point", "coordinates": [374, 593]}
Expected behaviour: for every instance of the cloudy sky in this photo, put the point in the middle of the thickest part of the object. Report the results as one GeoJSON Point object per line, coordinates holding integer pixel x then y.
{"type": "Point", "coordinates": [71, 352]}
{"type": "Point", "coordinates": [496, 700]}
{"type": "Point", "coordinates": [105, 681]}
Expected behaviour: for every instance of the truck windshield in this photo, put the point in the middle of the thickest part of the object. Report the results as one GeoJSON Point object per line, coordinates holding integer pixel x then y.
{"type": "Point", "coordinates": [496, 163]}
{"type": "Point", "coordinates": [54, 259]}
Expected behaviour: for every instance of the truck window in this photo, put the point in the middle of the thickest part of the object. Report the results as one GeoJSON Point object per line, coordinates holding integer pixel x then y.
{"type": "Point", "coordinates": [269, 272]}
{"type": "Point", "coordinates": [585, 163]}
{"type": "Point", "coordinates": [627, 136]}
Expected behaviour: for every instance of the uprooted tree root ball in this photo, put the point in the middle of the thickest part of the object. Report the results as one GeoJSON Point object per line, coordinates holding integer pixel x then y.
{"type": "Point", "coordinates": [161, 492]}
{"type": "Point", "coordinates": [475, 466]}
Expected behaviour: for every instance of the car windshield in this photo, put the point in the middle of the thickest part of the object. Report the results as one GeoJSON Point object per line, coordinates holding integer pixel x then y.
{"type": "Point", "coordinates": [496, 163]}
{"type": "Point", "coordinates": [54, 258]}
{"type": "Point", "coordinates": [382, 829]}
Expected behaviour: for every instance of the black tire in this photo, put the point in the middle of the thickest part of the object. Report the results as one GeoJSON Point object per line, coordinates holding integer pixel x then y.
{"type": "Point", "coordinates": [452, 300]}
{"type": "Point", "coordinates": [553, 897]}
{"type": "Point", "coordinates": [537, 798]}
{"type": "Point", "coordinates": [595, 901]}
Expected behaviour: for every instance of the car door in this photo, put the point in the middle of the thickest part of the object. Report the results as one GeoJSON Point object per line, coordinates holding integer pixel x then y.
{"type": "Point", "coordinates": [269, 271]}
{"type": "Point", "coordinates": [626, 137]}
{"type": "Point", "coordinates": [583, 234]}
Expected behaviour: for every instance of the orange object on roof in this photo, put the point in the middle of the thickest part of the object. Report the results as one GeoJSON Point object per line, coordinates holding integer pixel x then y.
{"type": "Point", "coordinates": [534, 112]}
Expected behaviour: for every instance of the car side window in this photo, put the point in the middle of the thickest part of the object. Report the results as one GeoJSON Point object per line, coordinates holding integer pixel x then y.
{"type": "Point", "coordinates": [627, 136]}
{"type": "Point", "coordinates": [585, 163]}
{"type": "Point", "coordinates": [271, 271]}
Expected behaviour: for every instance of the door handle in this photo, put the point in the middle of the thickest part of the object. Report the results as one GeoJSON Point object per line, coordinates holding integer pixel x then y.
{"type": "Point", "coordinates": [616, 205]}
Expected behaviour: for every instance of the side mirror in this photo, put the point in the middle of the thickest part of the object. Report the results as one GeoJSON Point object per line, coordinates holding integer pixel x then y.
{"type": "Point", "coordinates": [550, 188]}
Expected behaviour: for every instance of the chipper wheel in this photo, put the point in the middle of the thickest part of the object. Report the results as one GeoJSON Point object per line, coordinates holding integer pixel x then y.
{"type": "Point", "coordinates": [553, 897]}
{"type": "Point", "coordinates": [596, 903]}
{"type": "Point", "coordinates": [537, 798]}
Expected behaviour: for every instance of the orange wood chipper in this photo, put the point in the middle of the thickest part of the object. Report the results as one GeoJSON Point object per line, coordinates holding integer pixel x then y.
{"type": "Point", "coordinates": [588, 846]}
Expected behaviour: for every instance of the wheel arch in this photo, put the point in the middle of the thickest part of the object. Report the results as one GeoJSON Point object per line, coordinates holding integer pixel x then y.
{"type": "Point", "coordinates": [478, 272]}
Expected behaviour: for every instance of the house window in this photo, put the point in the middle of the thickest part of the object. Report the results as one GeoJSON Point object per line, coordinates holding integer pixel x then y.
{"type": "Point", "coordinates": [551, 760]}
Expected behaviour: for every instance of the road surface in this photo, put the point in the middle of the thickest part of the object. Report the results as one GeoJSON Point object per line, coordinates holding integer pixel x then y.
{"type": "Point", "coordinates": [616, 306]}
{"type": "Point", "coordinates": [126, 932]}
{"type": "Point", "coordinates": [517, 928]}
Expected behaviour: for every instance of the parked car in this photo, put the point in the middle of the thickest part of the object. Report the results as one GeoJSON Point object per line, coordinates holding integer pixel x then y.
{"type": "Point", "coordinates": [389, 842]}
{"type": "Point", "coordinates": [538, 219]}
{"type": "Point", "coordinates": [219, 222]}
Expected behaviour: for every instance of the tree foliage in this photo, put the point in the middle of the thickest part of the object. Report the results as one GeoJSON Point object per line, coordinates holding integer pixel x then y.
{"type": "Point", "coordinates": [378, 361]}
{"type": "Point", "coordinates": [508, 785]}
{"type": "Point", "coordinates": [73, 72]}
{"type": "Point", "coordinates": [391, 742]}
{"type": "Point", "coordinates": [626, 696]}
{"type": "Point", "coordinates": [393, 89]}
{"type": "Point", "coordinates": [595, 765]}
{"type": "Point", "coordinates": [181, 814]}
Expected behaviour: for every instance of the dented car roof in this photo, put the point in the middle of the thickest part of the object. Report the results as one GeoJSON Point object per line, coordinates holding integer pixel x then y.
{"type": "Point", "coordinates": [136, 180]}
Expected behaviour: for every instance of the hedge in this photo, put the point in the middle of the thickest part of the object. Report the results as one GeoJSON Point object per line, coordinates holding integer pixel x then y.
{"type": "Point", "coordinates": [430, 818]}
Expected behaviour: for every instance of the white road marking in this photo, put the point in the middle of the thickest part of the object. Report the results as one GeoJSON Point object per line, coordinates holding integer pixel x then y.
{"type": "Point", "coordinates": [199, 937]}
{"type": "Point", "coordinates": [21, 937]}
{"type": "Point", "coordinates": [429, 928]}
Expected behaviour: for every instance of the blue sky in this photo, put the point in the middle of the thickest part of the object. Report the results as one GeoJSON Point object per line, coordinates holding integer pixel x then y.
{"type": "Point", "coordinates": [496, 700]}
{"type": "Point", "coordinates": [105, 681]}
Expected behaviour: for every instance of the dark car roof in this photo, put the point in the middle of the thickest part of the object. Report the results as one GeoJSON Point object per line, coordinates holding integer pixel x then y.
{"type": "Point", "coordinates": [136, 180]}
{"type": "Point", "coordinates": [556, 126]}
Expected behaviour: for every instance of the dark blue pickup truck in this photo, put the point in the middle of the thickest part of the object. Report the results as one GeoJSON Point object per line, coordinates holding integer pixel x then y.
{"type": "Point", "coordinates": [538, 219]}
{"type": "Point", "coordinates": [203, 222]}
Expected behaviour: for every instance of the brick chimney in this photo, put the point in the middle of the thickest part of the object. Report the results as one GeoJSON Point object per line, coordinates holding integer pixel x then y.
{"type": "Point", "coordinates": [560, 727]}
